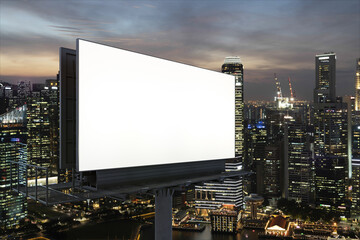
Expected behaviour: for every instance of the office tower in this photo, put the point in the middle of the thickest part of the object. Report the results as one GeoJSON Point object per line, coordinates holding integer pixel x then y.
{"type": "Point", "coordinates": [43, 127]}
{"type": "Point", "coordinates": [331, 153]}
{"type": "Point", "coordinates": [233, 66]}
{"type": "Point", "coordinates": [272, 171]}
{"type": "Point", "coordinates": [357, 85]}
{"type": "Point", "coordinates": [331, 132]}
{"type": "Point", "coordinates": [23, 92]}
{"type": "Point", "coordinates": [254, 154]}
{"type": "Point", "coordinates": [331, 140]}
{"type": "Point", "coordinates": [38, 125]}
{"type": "Point", "coordinates": [331, 156]}
{"type": "Point", "coordinates": [355, 178]}
{"type": "Point", "coordinates": [212, 195]}
{"type": "Point", "coordinates": [330, 182]}
{"type": "Point", "coordinates": [274, 166]}
{"type": "Point", "coordinates": [6, 97]}
{"type": "Point", "coordinates": [255, 141]}
{"type": "Point", "coordinates": [325, 67]}
{"type": "Point", "coordinates": [356, 141]}
{"type": "Point", "coordinates": [13, 206]}
{"type": "Point", "coordinates": [355, 188]}
{"type": "Point", "coordinates": [301, 165]}
{"type": "Point", "coordinates": [254, 111]}
{"type": "Point", "coordinates": [51, 96]}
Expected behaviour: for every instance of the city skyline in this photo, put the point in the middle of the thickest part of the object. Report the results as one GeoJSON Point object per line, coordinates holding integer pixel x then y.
{"type": "Point", "coordinates": [281, 37]}
{"type": "Point", "coordinates": [295, 170]}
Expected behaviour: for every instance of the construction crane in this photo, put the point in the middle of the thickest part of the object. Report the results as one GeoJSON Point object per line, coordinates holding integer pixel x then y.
{"type": "Point", "coordinates": [279, 93]}
{"type": "Point", "coordinates": [291, 91]}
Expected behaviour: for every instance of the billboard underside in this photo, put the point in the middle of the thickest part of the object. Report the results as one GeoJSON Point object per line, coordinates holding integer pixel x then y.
{"type": "Point", "coordinates": [138, 110]}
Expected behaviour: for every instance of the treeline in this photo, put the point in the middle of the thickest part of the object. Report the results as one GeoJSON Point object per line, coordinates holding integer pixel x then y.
{"type": "Point", "coordinates": [306, 213]}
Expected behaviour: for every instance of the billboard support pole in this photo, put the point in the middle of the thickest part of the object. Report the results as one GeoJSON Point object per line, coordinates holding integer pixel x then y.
{"type": "Point", "coordinates": [163, 214]}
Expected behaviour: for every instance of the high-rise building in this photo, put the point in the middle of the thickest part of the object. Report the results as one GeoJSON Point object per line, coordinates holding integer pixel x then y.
{"type": "Point", "coordinates": [330, 182]}
{"type": "Point", "coordinates": [13, 206]}
{"type": "Point", "coordinates": [331, 132]}
{"type": "Point", "coordinates": [38, 134]}
{"type": "Point", "coordinates": [331, 154]}
{"type": "Point", "coordinates": [254, 111]}
{"type": "Point", "coordinates": [43, 127]}
{"type": "Point", "coordinates": [254, 154]}
{"type": "Point", "coordinates": [230, 190]}
{"type": "Point", "coordinates": [331, 140]}
{"type": "Point", "coordinates": [272, 171]}
{"type": "Point", "coordinates": [6, 97]}
{"type": "Point", "coordinates": [325, 75]}
{"type": "Point", "coordinates": [357, 85]}
{"type": "Point", "coordinates": [23, 92]}
{"type": "Point", "coordinates": [355, 188]}
{"type": "Point", "coordinates": [212, 195]}
{"type": "Point", "coordinates": [233, 66]}
{"type": "Point", "coordinates": [301, 165]}
{"type": "Point", "coordinates": [356, 140]}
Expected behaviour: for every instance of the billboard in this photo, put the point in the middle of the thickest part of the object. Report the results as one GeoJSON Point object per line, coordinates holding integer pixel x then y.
{"type": "Point", "coordinates": [138, 110]}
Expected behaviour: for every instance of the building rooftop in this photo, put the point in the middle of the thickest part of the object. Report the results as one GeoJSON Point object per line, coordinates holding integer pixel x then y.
{"type": "Point", "coordinates": [278, 223]}
{"type": "Point", "coordinates": [232, 59]}
{"type": "Point", "coordinates": [326, 54]}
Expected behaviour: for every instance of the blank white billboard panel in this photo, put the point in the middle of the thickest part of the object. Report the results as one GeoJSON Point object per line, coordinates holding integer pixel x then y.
{"type": "Point", "coordinates": [138, 110]}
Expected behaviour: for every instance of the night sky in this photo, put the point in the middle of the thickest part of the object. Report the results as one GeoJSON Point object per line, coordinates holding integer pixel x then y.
{"type": "Point", "coordinates": [269, 36]}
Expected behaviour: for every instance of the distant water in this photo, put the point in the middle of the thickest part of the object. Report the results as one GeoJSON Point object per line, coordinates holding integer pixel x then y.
{"type": "Point", "coordinates": [117, 229]}
{"type": "Point", "coordinates": [124, 229]}
{"type": "Point", "coordinates": [148, 234]}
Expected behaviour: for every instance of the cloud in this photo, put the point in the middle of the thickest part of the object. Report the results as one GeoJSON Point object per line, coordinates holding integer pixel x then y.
{"type": "Point", "coordinates": [276, 36]}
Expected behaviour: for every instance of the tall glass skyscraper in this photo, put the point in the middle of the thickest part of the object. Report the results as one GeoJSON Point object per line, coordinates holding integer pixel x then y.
{"type": "Point", "coordinates": [330, 138]}
{"type": "Point", "coordinates": [43, 127]}
{"type": "Point", "coordinates": [233, 65]}
{"type": "Point", "coordinates": [325, 75]}
{"type": "Point", "coordinates": [212, 195]}
{"type": "Point", "coordinates": [357, 85]}
{"type": "Point", "coordinates": [13, 133]}
{"type": "Point", "coordinates": [300, 167]}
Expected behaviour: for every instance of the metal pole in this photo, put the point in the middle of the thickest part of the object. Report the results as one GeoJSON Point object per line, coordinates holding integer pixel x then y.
{"type": "Point", "coordinates": [47, 185]}
{"type": "Point", "coordinates": [163, 214]}
{"type": "Point", "coordinates": [36, 193]}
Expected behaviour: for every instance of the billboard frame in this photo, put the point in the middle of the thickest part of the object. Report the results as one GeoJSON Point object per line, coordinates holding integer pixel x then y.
{"type": "Point", "coordinates": [77, 109]}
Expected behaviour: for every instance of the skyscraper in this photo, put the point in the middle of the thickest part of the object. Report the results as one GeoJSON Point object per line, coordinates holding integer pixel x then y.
{"type": "Point", "coordinates": [357, 85]}
{"type": "Point", "coordinates": [325, 66]}
{"type": "Point", "coordinates": [330, 137]}
{"type": "Point", "coordinates": [272, 171]}
{"type": "Point", "coordinates": [301, 168]}
{"type": "Point", "coordinates": [13, 206]}
{"type": "Point", "coordinates": [254, 154]}
{"type": "Point", "coordinates": [23, 92]}
{"type": "Point", "coordinates": [6, 96]}
{"type": "Point", "coordinates": [230, 190]}
{"type": "Point", "coordinates": [43, 127]}
{"type": "Point", "coordinates": [233, 65]}
{"type": "Point", "coordinates": [355, 188]}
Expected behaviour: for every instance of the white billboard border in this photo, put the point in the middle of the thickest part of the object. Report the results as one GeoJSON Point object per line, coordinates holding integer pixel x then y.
{"type": "Point", "coordinates": [77, 106]}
